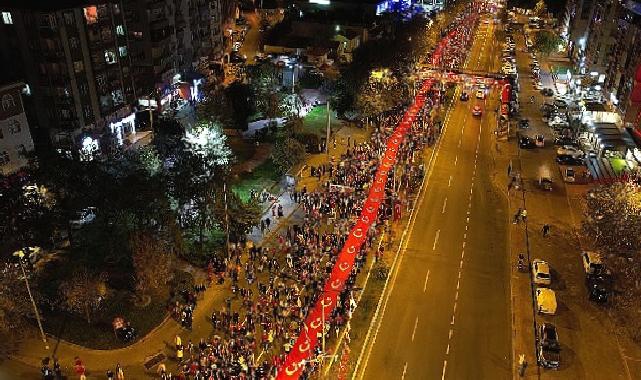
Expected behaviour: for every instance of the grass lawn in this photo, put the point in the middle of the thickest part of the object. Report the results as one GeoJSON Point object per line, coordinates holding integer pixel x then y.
{"type": "Point", "coordinates": [316, 121]}
{"type": "Point", "coordinates": [618, 165]}
{"type": "Point", "coordinates": [264, 176]}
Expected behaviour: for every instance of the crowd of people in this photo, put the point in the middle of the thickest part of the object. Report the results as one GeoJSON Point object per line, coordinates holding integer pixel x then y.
{"type": "Point", "coordinates": [273, 286]}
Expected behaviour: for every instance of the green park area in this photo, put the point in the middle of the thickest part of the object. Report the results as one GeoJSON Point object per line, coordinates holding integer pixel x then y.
{"type": "Point", "coordinates": [316, 121]}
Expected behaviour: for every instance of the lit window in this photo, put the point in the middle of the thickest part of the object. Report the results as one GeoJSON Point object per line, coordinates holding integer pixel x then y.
{"type": "Point", "coordinates": [122, 50]}
{"type": "Point", "coordinates": [6, 18]}
{"type": "Point", "coordinates": [110, 57]}
{"type": "Point", "coordinates": [138, 34]}
{"type": "Point", "coordinates": [91, 15]}
{"type": "Point", "coordinates": [120, 30]}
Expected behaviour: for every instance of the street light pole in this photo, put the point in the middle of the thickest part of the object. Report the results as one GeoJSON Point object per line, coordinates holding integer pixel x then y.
{"type": "Point", "coordinates": [20, 254]}
{"type": "Point", "coordinates": [329, 128]}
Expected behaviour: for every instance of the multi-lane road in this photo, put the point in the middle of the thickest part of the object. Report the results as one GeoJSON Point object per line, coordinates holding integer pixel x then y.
{"type": "Point", "coordinates": [446, 311]}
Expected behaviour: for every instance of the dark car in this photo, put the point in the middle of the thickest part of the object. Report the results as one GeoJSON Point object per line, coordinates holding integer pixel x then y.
{"type": "Point", "coordinates": [524, 123]}
{"type": "Point", "coordinates": [465, 97]}
{"type": "Point", "coordinates": [598, 286]}
{"type": "Point", "coordinates": [569, 160]}
{"type": "Point", "coordinates": [526, 142]}
{"type": "Point", "coordinates": [549, 349]}
{"type": "Point", "coordinates": [547, 92]}
{"type": "Point", "coordinates": [563, 140]}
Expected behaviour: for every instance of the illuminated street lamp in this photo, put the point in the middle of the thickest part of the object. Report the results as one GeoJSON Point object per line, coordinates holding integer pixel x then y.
{"type": "Point", "coordinates": [20, 255]}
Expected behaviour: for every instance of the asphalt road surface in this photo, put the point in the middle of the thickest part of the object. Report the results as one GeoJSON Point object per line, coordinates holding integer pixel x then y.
{"type": "Point", "coordinates": [448, 311]}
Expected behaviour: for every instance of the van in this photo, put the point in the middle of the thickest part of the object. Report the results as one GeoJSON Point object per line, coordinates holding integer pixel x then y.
{"type": "Point", "coordinates": [545, 301]}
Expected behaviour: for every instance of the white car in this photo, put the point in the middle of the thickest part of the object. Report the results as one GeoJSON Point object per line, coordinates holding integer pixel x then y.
{"type": "Point", "coordinates": [83, 217]}
{"type": "Point", "coordinates": [545, 301]}
{"type": "Point", "coordinates": [568, 150]}
{"type": "Point", "coordinates": [480, 94]}
{"type": "Point", "coordinates": [592, 262]}
{"type": "Point", "coordinates": [541, 272]}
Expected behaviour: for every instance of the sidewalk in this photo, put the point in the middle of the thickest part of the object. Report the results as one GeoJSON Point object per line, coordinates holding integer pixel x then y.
{"type": "Point", "coordinates": [160, 340]}
{"type": "Point", "coordinates": [586, 334]}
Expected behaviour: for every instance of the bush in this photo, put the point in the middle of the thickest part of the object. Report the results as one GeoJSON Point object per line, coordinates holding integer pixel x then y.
{"type": "Point", "coordinates": [287, 153]}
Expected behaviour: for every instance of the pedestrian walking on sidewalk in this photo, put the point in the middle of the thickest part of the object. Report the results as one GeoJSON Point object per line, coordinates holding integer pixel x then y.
{"type": "Point", "coordinates": [517, 216]}
{"type": "Point", "coordinates": [120, 374]}
{"type": "Point", "coordinates": [267, 223]}
{"type": "Point", "coordinates": [262, 226]}
{"type": "Point", "coordinates": [546, 230]}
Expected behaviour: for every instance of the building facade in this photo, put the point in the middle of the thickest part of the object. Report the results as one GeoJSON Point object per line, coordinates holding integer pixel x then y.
{"type": "Point", "coordinates": [16, 144]}
{"type": "Point", "coordinates": [90, 67]}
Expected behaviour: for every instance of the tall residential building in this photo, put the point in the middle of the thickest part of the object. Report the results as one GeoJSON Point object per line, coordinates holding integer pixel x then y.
{"type": "Point", "coordinates": [15, 139]}
{"type": "Point", "coordinates": [624, 66]}
{"type": "Point", "coordinates": [90, 66]}
{"type": "Point", "coordinates": [77, 65]}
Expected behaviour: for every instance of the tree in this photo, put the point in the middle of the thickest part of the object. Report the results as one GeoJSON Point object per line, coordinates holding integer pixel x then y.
{"type": "Point", "coordinates": [547, 42]}
{"type": "Point", "coordinates": [239, 97]}
{"type": "Point", "coordinates": [540, 9]}
{"type": "Point", "coordinates": [83, 293]}
{"type": "Point", "coordinates": [208, 141]}
{"type": "Point", "coordinates": [153, 263]}
{"type": "Point", "coordinates": [15, 309]}
{"type": "Point", "coordinates": [613, 218]}
{"type": "Point", "coordinates": [242, 215]}
{"type": "Point", "coordinates": [286, 153]}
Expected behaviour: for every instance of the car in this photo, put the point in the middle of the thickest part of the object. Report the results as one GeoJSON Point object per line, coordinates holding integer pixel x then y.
{"type": "Point", "coordinates": [526, 142]}
{"type": "Point", "coordinates": [477, 111]}
{"type": "Point", "coordinates": [464, 96]}
{"type": "Point", "coordinates": [85, 216]}
{"type": "Point", "coordinates": [545, 183]}
{"type": "Point", "coordinates": [592, 263]}
{"type": "Point", "coordinates": [598, 286]}
{"type": "Point", "coordinates": [538, 85]}
{"type": "Point", "coordinates": [568, 160]}
{"type": "Point", "coordinates": [547, 92]}
{"type": "Point", "coordinates": [569, 150]}
{"type": "Point", "coordinates": [524, 124]}
{"type": "Point", "coordinates": [564, 140]}
{"type": "Point", "coordinates": [480, 94]}
{"type": "Point", "coordinates": [548, 347]}
{"type": "Point", "coordinates": [545, 301]}
{"type": "Point", "coordinates": [541, 272]}
{"type": "Point", "coordinates": [560, 104]}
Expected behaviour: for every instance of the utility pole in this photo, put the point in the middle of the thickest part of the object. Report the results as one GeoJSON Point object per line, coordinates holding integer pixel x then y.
{"type": "Point", "coordinates": [226, 219]}
{"type": "Point", "coordinates": [329, 128]}
{"type": "Point", "coordinates": [20, 255]}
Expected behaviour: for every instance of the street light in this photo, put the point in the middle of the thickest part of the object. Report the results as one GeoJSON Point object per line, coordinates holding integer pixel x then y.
{"type": "Point", "coordinates": [20, 255]}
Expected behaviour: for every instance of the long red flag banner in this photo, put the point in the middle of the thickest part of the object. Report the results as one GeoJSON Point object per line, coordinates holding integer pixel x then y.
{"type": "Point", "coordinates": [327, 302]}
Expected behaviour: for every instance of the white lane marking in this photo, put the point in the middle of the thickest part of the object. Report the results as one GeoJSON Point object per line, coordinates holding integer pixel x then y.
{"type": "Point", "coordinates": [427, 277]}
{"type": "Point", "coordinates": [449, 181]}
{"type": "Point", "coordinates": [444, 367]}
{"type": "Point", "coordinates": [444, 204]}
{"type": "Point", "coordinates": [455, 160]}
{"type": "Point", "coordinates": [449, 336]}
{"type": "Point", "coordinates": [447, 352]}
{"type": "Point", "coordinates": [438, 232]}
{"type": "Point", "coordinates": [459, 143]}
{"type": "Point", "coordinates": [414, 330]}
{"type": "Point", "coordinates": [404, 370]}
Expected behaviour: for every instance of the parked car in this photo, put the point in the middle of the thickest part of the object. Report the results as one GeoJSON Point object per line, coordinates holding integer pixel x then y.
{"type": "Point", "coordinates": [547, 92]}
{"type": "Point", "coordinates": [464, 97]}
{"type": "Point", "coordinates": [526, 142]}
{"type": "Point", "coordinates": [541, 272]}
{"type": "Point", "coordinates": [545, 301]}
{"type": "Point", "coordinates": [83, 217]}
{"type": "Point", "coordinates": [569, 150]}
{"type": "Point", "coordinates": [563, 140]}
{"type": "Point", "coordinates": [592, 262]}
{"type": "Point", "coordinates": [598, 286]}
{"type": "Point", "coordinates": [564, 159]}
{"type": "Point", "coordinates": [524, 123]}
{"type": "Point", "coordinates": [549, 349]}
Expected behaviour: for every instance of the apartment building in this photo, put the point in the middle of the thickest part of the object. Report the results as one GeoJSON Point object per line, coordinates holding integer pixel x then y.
{"type": "Point", "coordinates": [15, 139]}
{"type": "Point", "coordinates": [90, 66]}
